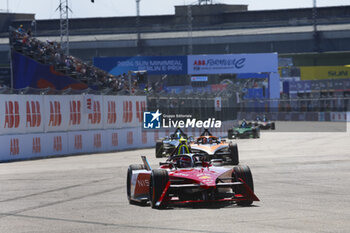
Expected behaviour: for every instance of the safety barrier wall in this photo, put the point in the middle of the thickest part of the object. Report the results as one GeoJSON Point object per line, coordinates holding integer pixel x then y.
{"type": "Point", "coordinates": [34, 126]}
{"type": "Point", "coordinates": [48, 125]}
{"type": "Point", "coordinates": [23, 114]}
{"type": "Point", "coordinates": [36, 145]}
{"type": "Point", "coordinates": [299, 116]}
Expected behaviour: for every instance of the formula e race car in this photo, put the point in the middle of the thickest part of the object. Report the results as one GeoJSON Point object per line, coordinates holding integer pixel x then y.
{"type": "Point", "coordinates": [187, 178]}
{"type": "Point", "coordinates": [263, 123]}
{"type": "Point", "coordinates": [166, 146]}
{"type": "Point", "coordinates": [245, 130]}
{"type": "Point", "coordinates": [215, 148]}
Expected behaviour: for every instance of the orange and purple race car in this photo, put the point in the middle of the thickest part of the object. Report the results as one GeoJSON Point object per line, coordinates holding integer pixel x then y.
{"type": "Point", "coordinates": [215, 148]}
{"type": "Point", "coordinates": [188, 178]}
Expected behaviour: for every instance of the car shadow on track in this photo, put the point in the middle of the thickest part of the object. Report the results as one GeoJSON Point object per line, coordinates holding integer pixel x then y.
{"type": "Point", "coordinates": [205, 206]}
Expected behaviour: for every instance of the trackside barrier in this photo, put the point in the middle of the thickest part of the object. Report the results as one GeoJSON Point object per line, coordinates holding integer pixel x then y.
{"type": "Point", "coordinates": [34, 126]}
{"type": "Point", "coordinates": [299, 116]}
{"type": "Point", "coordinates": [339, 116]}
{"type": "Point", "coordinates": [23, 114]}
{"type": "Point", "coordinates": [37, 145]}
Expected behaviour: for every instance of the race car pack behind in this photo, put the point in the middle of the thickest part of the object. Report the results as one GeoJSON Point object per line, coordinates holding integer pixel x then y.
{"type": "Point", "coordinates": [215, 148]}
{"type": "Point", "coordinates": [166, 146]}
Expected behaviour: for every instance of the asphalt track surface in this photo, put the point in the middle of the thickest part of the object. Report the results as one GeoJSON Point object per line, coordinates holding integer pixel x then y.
{"type": "Point", "coordinates": [301, 178]}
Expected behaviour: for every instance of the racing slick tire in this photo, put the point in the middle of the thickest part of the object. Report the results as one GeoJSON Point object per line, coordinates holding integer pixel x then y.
{"type": "Point", "coordinates": [256, 133]}
{"type": "Point", "coordinates": [233, 148]}
{"type": "Point", "coordinates": [243, 172]}
{"type": "Point", "coordinates": [273, 127]}
{"type": "Point", "coordinates": [159, 149]}
{"type": "Point", "coordinates": [132, 167]}
{"type": "Point", "coordinates": [158, 180]}
{"type": "Point", "coordinates": [230, 134]}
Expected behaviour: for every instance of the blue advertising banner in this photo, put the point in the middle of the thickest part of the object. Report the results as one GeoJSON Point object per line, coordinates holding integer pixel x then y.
{"type": "Point", "coordinates": [29, 73]}
{"type": "Point", "coordinates": [152, 64]}
{"type": "Point", "coordinates": [233, 63]}
{"type": "Point", "coordinates": [252, 75]}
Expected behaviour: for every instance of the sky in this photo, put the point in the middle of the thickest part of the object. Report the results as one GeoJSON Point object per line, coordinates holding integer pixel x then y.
{"type": "Point", "coordinates": [46, 9]}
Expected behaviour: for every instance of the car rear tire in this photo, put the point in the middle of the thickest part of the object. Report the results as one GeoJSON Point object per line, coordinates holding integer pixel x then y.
{"type": "Point", "coordinates": [273, 127]}
{"type": "Point", "coordinates": [158, 180]}
{"type": "Point", "coordinates": [243, 172]}
{"type": "Point", "coordinates": [230, 134]}
{"type": "Point", "coordinates": [234, 154]}
{"type": "Point", "coordinates": [159, 149]}
{"type": "Point", "coordinates": [132, 167]}
{"type": "Point", "coordinates": [256, 133]}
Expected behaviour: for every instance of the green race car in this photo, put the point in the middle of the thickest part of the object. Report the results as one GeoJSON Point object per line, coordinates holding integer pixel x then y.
{"type": "Point", "coordinates": [245, 130]}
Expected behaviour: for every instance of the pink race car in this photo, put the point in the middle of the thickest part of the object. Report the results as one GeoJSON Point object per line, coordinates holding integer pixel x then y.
{"type": "Point", "coordinates": [188, 178]}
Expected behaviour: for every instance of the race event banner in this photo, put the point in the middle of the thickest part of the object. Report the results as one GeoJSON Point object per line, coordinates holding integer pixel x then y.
{"type": "Point", "coordinates": [233, 63]}
{"type": "Point", "coordinates": [152, 64]}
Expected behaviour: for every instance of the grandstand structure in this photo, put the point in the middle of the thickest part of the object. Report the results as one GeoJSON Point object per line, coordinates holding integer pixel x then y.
{"type": "Point", "coordinates": [213, 29]}
{"type": "Point", "coordinates": [216, 29]}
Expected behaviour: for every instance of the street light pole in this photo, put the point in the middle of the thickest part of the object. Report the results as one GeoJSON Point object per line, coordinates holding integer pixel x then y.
{"type": "Point", "coordinates": [64, 28]}
{"type": "Point", "coordinates": [314, 16]}
{"type": "Point", "coordinates": [138, 41]}
{"type": "Point", "coordinates": [316, 34]}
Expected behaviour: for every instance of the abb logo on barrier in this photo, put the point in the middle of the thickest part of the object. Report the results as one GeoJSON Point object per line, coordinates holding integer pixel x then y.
{"type": "Point", "coordinates": [33, 114]}
{"type": "Point", "coordinates": [112, 114]}
{"type": "Point", "coordinates": [140, 108]}
{"type": "Point", "coordinates": [75, 112]}
{"type": "Point", "coordinates": [14, 146]}
{"type": "Point", "coordinates": [144, 137]}
{"type": "Point", "coordinates": [156, 135]}
{"type": "Point", "coordinates": [97, 140]}
{"type": "Point", "coordinates": [95, 116]}
{"type": "Point", "coordinates": [12, 118]}
{"type": "Point", "coordinates": [129, 138]}
{"type": "Point", "coordinates": [36, 145]}
{"type": "Point", "coordinates": [78, 142]}
{"type": "Point", "coordinates": [127, 111]}
{"type": "Point", "coordinates": [57, 143]}
{"type": "Point", "coordinates": [55, 113]}
{"type": "Point", "coordinates": [114, 139]}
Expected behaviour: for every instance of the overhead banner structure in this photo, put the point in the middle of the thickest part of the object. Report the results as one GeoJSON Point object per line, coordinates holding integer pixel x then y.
{"type": "Point", "coordinates": [192, 64]}
{"type": "Point", "coordinates": [152, 64]}
{"type": "Point", "coordinates": [233, 63]}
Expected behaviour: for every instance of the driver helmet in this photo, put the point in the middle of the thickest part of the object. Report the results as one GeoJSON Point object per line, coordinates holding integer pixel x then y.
{"type": "Point", "coordinates": [183, 140]}
{"type": "Point", "coordinates": [244, 123]}
{"type": "Point", "coordinates": [185, 162]}
{"type": "Point", "coordinates": [183, 148]}
{"type": "Point", "coordinates": [264, 118]}
{"type": "Point", "coordinates": [204, 141]}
